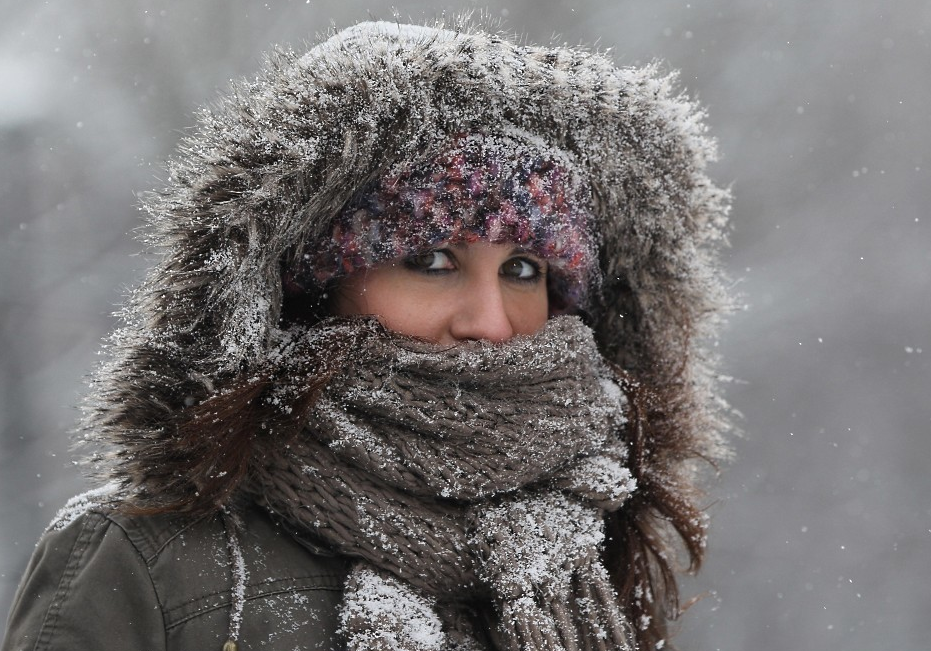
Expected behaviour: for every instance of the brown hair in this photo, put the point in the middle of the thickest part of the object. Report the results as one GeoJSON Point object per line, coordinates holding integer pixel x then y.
{"type": "Point", "coordinates": [216, 440]}
{"type": "Point", "coordinates": [213, 447]}
{"type": "Point", "coordinates": [661, 520]}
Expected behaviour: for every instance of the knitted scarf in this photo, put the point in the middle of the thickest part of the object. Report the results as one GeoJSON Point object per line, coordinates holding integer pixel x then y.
{"type": "Point", "coordinates": [464, 480]}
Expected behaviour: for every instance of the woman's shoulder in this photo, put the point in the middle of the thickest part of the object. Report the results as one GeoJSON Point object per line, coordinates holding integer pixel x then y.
{"type": "Point", "coordinates": [177, 543]}
{"type": "Point", "coordinates": [175, 546]}
{"type": "Point", "coordinates": [99, 574]}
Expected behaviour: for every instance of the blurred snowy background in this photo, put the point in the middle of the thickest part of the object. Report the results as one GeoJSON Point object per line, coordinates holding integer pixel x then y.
{"type": "Point", "coordinates": [821, 531]}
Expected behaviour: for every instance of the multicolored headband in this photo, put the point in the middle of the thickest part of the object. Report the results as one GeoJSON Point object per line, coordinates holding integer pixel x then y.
{"type": "Point", "coordinates": [478, 187]}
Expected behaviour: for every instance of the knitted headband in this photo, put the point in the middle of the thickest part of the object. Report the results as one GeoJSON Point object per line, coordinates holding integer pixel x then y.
{"type": "Point", "coordinates": [478, 187]}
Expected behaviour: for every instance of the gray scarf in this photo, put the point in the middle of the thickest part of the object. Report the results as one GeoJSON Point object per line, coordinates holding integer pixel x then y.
{"type": "Point", "coordinates": [466, 479]}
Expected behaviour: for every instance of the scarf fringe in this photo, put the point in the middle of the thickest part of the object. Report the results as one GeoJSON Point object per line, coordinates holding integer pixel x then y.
{"type": "Point", "coordinates": [606, 628]}
{"type": "Point", "coordinates": [540, 556]}
{"type": "Point", "coordinates": [382, 613]}
{"type": "Point", "coordinates": [540, 621]}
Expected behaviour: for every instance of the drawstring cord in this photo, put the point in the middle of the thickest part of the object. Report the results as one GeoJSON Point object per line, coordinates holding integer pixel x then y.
{"type": "Point", "coordinates": [240, 576]}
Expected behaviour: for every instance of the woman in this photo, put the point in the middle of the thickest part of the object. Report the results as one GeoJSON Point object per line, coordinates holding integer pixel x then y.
{"type": "Point", "coordinates": [420, 366]}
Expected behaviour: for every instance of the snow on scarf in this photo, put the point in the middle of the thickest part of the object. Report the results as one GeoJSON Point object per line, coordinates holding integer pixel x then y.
{"type": "Point", "coordinates": [456, 476]}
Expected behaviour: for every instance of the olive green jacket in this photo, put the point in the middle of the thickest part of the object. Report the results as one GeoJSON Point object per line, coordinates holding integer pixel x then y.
{"type": "Point", "coordinates": [106, 582]}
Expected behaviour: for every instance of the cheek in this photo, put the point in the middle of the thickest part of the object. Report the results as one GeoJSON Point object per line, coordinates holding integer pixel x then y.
{"type": "Point", "coordinates": [406, 312]}
{"type": "Point", "coordinates": [371, 291]}
{"type": "Point", "coordinates": [529, 312]}
{"type": "Point", "coordinates": [400, 304]}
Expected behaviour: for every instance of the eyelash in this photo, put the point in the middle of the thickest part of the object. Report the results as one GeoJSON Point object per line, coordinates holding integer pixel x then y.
{"type": "Point", "coordinates": [411, 262]}
{"type": "Point", "coordinates": [539, 269]}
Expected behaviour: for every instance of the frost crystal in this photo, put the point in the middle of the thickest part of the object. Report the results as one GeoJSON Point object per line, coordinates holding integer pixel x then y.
{"type": "Point", "coordinates": [398, 617]}
{"type": "Point", "coordinates": [81, 504]}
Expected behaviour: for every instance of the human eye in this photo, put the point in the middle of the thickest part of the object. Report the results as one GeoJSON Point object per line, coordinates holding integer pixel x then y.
{"type": "Point", "coordinates": [436, 261]}
{"type": "Point", "coordinates": [523, 269]}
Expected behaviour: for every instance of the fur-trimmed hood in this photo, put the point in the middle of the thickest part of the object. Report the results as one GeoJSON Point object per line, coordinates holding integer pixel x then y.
{"type": "Point", "coordinates": [261, 177]}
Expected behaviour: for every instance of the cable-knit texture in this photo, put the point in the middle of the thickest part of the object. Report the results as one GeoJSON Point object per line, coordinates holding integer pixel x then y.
{"type": "Point", "coordinates": [476, 472]}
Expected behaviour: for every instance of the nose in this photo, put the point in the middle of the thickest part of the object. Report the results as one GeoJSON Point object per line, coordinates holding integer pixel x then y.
{"type": "Point", "coordinates": [482, 313]}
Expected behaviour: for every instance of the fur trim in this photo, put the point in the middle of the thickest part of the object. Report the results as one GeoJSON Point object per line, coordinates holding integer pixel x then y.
{"type": "Point", "coordinates": [269, 167]}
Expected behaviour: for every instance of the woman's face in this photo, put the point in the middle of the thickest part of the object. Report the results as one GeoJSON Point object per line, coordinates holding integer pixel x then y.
{"type": "Point", "coordinates": [452, 293]}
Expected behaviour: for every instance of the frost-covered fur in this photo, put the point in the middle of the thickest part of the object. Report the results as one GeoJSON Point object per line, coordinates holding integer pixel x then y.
{"type": "Point", "coordinates": [258, 182]}
{"type": "Point", "coordinates": [267, 169]}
